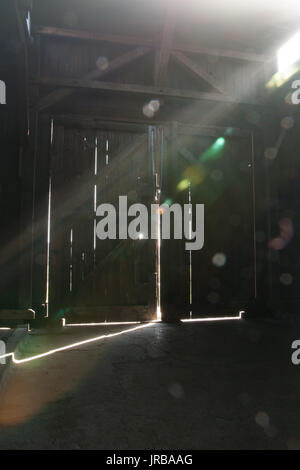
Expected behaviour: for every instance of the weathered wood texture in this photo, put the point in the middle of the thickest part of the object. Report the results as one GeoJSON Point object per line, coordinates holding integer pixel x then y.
{"type": "Point", "coordinates": [89, 167]}
{"type": "Point", "coordinates": [40, 222]}
{"type": "Point", "coordinates": [112, 313]}
{"type": "Point", "coordinates": [102, 70]}
{"type": "Point", "coordinates": [141, 41]}
{"type": "Point", "coordinates": [13, 137]}
{"type": "Point", "coordinates": [16, 315]}
{"type": "Point", "coordinates": [175, 301]}
{"type": "Point", "coordinates": [69, 66]}
{"type": "Point", "coordinates": [279, 276]}
{"type": "Point", "coordinates": [219, 279]}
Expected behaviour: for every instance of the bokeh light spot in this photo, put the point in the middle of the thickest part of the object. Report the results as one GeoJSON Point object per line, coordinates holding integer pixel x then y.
{"type": "Point", "coordinates": [148, 111]}
{"type": "Point", "coordinates": [262, 419]}
{"type": "Point", "coordinates": [270, 153]}
{"type": "Point", "coordinates": [286, 279]}
{"type": "Point", "coordinates": [102, 63]}
{"type": "Point", "coordinates": [176, 391]}
{"type": "Point", "coordinates": [183, 185]}
{"type": "Point", "coordinates": [219, 260]}
{"type": "Point", "coordinates": [154, 105]}
{"type": "Point", "coordinates": [168, 202]}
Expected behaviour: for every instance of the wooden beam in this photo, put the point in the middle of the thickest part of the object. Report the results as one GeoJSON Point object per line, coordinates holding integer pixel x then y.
{"type": "Point", "coordinates": [195, 68]}
{"type": "Point", "coordinates": [163, 56]}
{"type": "Point", "coordinates": [139, 89]}
{"type": "Point", "coordinates": [212, 131]}
{"type": "Point", "coordinates": [114, 65]}
{"type": "Point", "coordinates": [212, 51]}
{"type": "Point", "coordinates": [102, 122]}
{"type": "Point", "coordinates": [98, 37]}
{"type": "Point", "coordinates": [138, 125]}
{"type": "Point", "coordinates": [153, 43]}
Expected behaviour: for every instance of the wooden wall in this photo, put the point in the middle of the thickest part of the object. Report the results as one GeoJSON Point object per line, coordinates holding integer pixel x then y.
{"type": "Point", "coordinates": [87, 274]}
{"type": "Point", "coordinates": [123, 274]}
{"type": "Point", "coordinates": [13, 131]}
{"type": "Point", "coordinates": [220, 278]}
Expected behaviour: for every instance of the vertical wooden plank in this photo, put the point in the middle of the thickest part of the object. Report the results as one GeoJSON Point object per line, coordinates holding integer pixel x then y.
{"type": "Point", "coordinates": [28, 162]}
{"type": "Point", "coordinates": [223, 270]}
{"type": "Point", "coordinates": [174, 266]}
{"type": "Point", "coordinates": [118, 275]}
{"type": "Point", "coordinates": [41, 216]}
{"type": "Point", "coordinates": [59, 261]}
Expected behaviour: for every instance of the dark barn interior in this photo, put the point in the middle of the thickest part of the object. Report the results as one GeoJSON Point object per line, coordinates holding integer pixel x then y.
{"type": "Point", "coordinates": [164, 102]}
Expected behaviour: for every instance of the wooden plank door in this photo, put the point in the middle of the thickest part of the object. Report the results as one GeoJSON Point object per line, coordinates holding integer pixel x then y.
{"type": "Point", "coordinates": [92, 279]}
{"type": "Point", "coordinates": [216, 171]}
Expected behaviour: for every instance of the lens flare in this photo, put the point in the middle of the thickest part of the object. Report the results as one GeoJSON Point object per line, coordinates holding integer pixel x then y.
{"type": "Point", "coordinates": [183, 185]}
{"type": "Point", "coordinates": [214, 151]}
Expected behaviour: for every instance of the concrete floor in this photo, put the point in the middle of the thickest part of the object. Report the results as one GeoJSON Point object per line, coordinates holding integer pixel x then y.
{"type": "Point", "coordinates": [226, 385]}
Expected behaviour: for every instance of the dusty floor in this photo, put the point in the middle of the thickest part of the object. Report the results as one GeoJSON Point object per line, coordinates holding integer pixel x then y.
{"type": "Point", "coordinates": [224, 385]}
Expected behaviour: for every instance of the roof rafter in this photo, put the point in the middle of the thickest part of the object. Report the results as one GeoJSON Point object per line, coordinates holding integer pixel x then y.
{"type": "Point", "coordinates": [115, 64]}
{"type": "Point", "coordinates": [87, 84]}
{"type": "Point", "coordinates": [163, 55]}
{"type": "Point", "coordinates": [197, 70]}
{"type": "Point", "coordinates": [153, 43]}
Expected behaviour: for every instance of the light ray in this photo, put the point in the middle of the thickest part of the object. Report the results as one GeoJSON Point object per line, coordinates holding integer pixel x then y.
{"type": "Point", "coordinates": [213, 319]}
{"type": "Point", "coordinates": [72, 346]}
{"type": "Point", "coordinates": [101, 324]}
